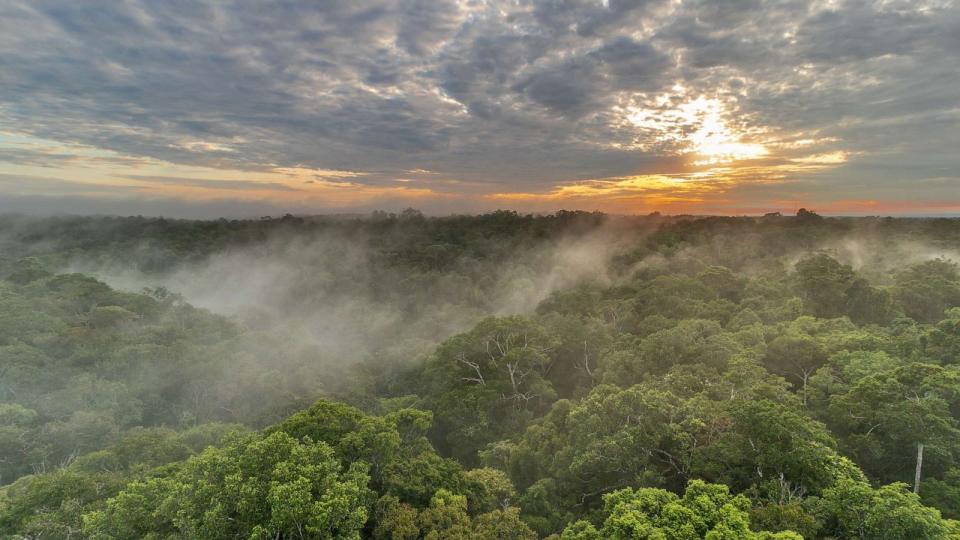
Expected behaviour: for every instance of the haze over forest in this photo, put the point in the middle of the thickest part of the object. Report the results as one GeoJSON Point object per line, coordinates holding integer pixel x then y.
{"type": "Point", "coordinates": [479, 269]}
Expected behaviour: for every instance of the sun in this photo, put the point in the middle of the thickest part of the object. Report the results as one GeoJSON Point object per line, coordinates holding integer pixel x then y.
{"type": "Point", "coordinates": [714, 140]}
{"type": "Point", "coordinates": [696, 127]}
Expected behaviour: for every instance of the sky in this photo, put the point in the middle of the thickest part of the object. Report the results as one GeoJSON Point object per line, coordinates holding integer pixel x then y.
{"type": "Point", "coordinates": [241, 108]}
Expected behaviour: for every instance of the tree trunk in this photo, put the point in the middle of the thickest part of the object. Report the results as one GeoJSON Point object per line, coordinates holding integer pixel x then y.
{"type": "Point", "coordinates": [916, 475]}
{"type": "Point", "coordinates": [806, 376]}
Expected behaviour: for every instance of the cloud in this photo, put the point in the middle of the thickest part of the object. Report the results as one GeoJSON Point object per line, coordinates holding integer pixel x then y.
{"type": "Point", "coordinates": [65, 204]}
{"type": "Point", "coordinates": [63, 157]}
{"type": "Point", "coordinates": [425, 24]}
{"type": "Point", "coordinates": [29, 185]}
{"type": "Point", "coordinates": [861, 32]}
{"type": "Point", "coordinates": [501, 96]}
{"type": "Point", "coordinates": [212, 184]}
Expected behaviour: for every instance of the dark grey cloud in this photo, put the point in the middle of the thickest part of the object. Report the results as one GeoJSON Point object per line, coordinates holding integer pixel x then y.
{"type": "Point", "coordinates": [62, 158]}
{"type": "Point", "coordinates": [425, 24]}
{"type": "Point", "coordinates": [584, 83]}
{"type": "Point", "coordinates": [568, 89]}
{"type": "Point", "coordinates": [860, 32]}
{"type": "Point", "coordinates": [633, 65]}
{"type": "Point", "coordinates": [589, 18]}
{"type": "Point", "coordinates": [705, 46]}
{"type": "Point", "coordinates": [515, 95]}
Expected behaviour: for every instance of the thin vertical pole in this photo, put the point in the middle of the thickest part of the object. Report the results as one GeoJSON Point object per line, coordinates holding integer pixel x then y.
{"type": "Point", "coordinates": [916, 475]}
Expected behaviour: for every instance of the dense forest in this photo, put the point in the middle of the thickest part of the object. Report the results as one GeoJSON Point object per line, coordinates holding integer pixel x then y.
{"type": "Point", "coordinates": [572, 376]}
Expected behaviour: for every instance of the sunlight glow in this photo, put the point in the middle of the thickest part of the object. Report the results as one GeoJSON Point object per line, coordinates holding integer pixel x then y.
{"type": "Point", "coordinates": [829, 158]}
{"type": "Point", "coordinates": [697, 126]}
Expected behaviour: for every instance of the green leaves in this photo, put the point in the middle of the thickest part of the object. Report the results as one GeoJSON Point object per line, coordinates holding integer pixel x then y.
{"type": "Point", "coordinates": [681, 399]}
{"type": "Point", "coordinates": [446, 518]}
{"type": "Point", "coordinates": [668, 432]}
{"type": "Point", "coordinates": [823, 284]}
{"type": "Point", "coordinates": [486, 384]}
{"type": "Point", "coordinates": [887, 413]}
{"type": "Point", "coordinates": [927, 289]}
{"type": "Point", "coordinates": [257, 487]}
{"type": "Point", "coordinates": [705, 511]}
{"type": "Point", "coordinates": [855, 510]}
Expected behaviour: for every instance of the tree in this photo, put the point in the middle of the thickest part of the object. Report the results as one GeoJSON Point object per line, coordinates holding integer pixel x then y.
{"type": "Point", "coordinates": [925, 290]}
{"type": "Point", "coordinates": [488, 489]}
{"type": "Point", "coordinates": [887, 416]}
{"type": "Point", "coordinates": [693, 341]}
{"type": "Point", "coordinates": [774, 449]}
{"type": "Point", "coordinates": [822, 283]}
{"type": "Point", "coordinates": [855, 510]}
{"type": "Point", "coordinates": [705, 511]}
{"type": "Point", "coordinates": [504, 524]}
{"type": "Point", "coordinates": [808, 216]}
{"type": "Point", "coordinates": [866, 304]}
{"type": "Point", "coordinates": [395, 520]}
{"type": "Point", "coordinates": [269, 486]}
{"type": "Point", "coordinates": [796, 357]}
{"type": "Point", "coordinates": [582, 343]}
{"type": "Point", "coordinates": [446, 518]}
{"type": "Point", "coordinates": [51, 505]}
{"type": "Point", "coordinates": [943, 494]}
{"type": "Point", "coordinates": [486, 384]}
{"type": "Point", "coordinates": [724, 282]}
{"type": "Point", "coordinates": [402, 462]}
{"type": "Point", "coordinates": [690, 358]}
{"type": "Point", "coordinates": [664, 434]}
{"type": "Point", "coordinates": [27, 270]}
{"type": "Point", "coordinates": [942, 342]}
{"type": "Point", "coordinates": [16, 422]}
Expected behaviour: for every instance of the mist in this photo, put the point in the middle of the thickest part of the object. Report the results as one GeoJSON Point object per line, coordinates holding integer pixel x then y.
{"type": "Point", "coordinates": [329, 290]}
{"type": "Point", "coordinates": [320, 306]}
{"type": "Point", "coordinates": [325, 291]}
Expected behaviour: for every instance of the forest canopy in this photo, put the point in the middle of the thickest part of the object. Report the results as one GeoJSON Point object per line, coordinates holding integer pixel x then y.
{"type": "Point", "coordinates": [572, 376]}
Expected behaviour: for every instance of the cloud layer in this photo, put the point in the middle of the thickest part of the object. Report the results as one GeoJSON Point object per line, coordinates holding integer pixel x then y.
{"type": "Point", "coordinates": [721, 105]}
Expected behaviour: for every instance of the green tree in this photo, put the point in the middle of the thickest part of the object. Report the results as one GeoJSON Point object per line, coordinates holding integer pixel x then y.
{"type": "Point", "coordinates": [943, 494]}
{"type": "Point", "coordinates": [706, 511]}
{"type": "Point", "coordinates": [488, 489]}
{"type": "Point", "coordinates": [257, 487]}
{"type": "Point", "coordinates": [796, 357]}
{"type": "Point", "coordinates": [927, 289]}
{"type": "Point", "coordinates": [694, 341]}
{"type": "Point", "coordinates": [822, 283]}
{"type": "Point", "coordinates": [942, 342]}
{"type": "Point", "coordinates": [487, 384]}
{"type": "Point", "coordinates": [16, 423]}
{"type": "Point", "coordinates": [892, 418]}
{"type": "Point", "coordinates": [855, 510]}
{"type": "Point", "coordinates": [502, 524]}
{"type": "Point", "coordinates": [27, 270]}
{"type": "Point", "coordinates": [395, 520]}
{"type": "Point", "coordinates": [866, 304]}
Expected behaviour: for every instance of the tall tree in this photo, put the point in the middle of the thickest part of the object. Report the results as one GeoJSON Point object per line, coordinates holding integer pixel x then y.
{"type": "Point", "coordinates": [893, 419]}
{"type": "Point", "coordinates": [822, 283]}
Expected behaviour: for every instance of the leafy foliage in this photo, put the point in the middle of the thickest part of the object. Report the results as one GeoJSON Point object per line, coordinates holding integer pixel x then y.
{"type": "Point", "coordinates": [694, 378]}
